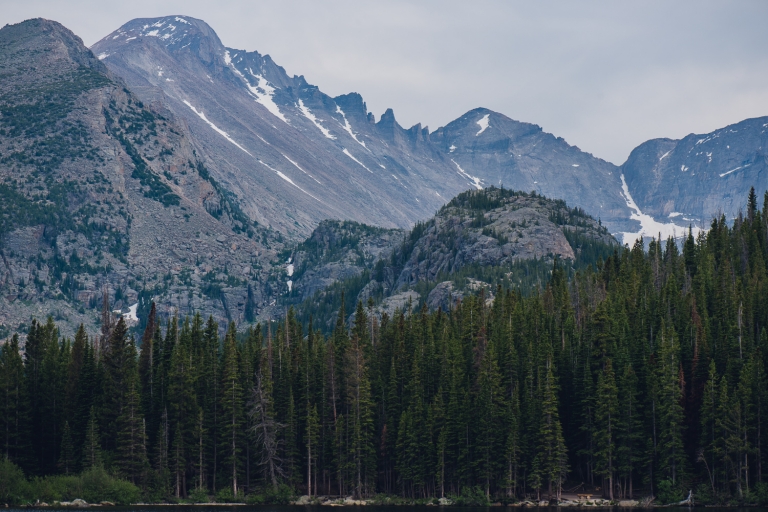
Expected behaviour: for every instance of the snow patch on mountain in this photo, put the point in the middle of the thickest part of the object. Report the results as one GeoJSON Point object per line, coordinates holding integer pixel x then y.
{"type": "Point", "coordinates": [302, 170]}
{"type": "Point", "coordinates": [286, 178]}
{"type": "Point", "coordinates": [221, 132]}
{"type": "Point", "coordinates": [648, 225]}
{"type": "Point", "coordinates": [723, 175]}
{"type": "Point", "coordinates": [263, 91]}
{"type": "Point", "coordinates": [483, 124]}
{"type": "Point", "coordinates": [346, 152]}
{"type": "Point", "coordinates": [348, 127]}
{"type": "Point", "coordinates": [309, 115]}
{"type": "Point", "coordinates": [474, 180]}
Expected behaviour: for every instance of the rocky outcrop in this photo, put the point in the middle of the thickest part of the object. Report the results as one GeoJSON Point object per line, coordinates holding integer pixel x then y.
{"type": "Point", "coordinates": [443, 296]}
{"type": "Point", "coordinates": [337, 251]}
{"type": "Point", "coordinates": [509, 227]}
{"type": "Point", "coordinates": [100, 192]}
{"type": "Point", "coordinates": [477, 232]}
{"type": "Point", "coordinates": [692, 180]}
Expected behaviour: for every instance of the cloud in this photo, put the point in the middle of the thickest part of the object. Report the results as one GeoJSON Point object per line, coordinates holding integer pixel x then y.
{"type": "Point", "coordinates": [604, 75]}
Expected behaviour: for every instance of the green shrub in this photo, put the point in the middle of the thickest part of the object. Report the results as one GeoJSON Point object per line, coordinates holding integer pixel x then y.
{"type": "Point", "coordinates": [283, 495]}
{"type": "Point", "coordinates": [255, 499]}
{"type": "Point", "coordinates": [225, 495]}
{"type": "Point", "coordinates": [14, 488]}
{"type": "Point", "coordinates": [667, 492]}
{"type": "Point", "coordinates": [199, 496]}
{"type": "Point", "coordinates": [472, 497]}
{"type": "Point", "coordinates": [94, 485]}
{"type": "Point", "coordinates": [760, 493]}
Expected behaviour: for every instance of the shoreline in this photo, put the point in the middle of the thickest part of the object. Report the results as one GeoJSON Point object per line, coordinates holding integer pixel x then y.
{"type": "Point", "coordinates": [337, 501]}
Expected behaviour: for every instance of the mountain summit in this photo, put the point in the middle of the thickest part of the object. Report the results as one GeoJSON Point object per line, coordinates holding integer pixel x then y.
{"type": "Point", "coordinates": [294, 155]}
{"type": "Point", "coordinates": [102, 193]}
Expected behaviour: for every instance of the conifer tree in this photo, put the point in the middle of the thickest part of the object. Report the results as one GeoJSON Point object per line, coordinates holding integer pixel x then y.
{"type": "Point", "coordinates": [131, 456]}
{"type": "Point", "coordinates": [550, 462]}
{"type": "Point", "coordinates": [606, 412]}
{"type": "Point", "coordinates": [491, 407]}
{"type": "Point", "coordinates": [67, 457]}
{"type": "Point", "coordinates": [231, 410]}
{"type": "Point", "coordinates": [311, 433]}
{"type": "Point", "coordinates": [708, 454]}
{"type": "Point", "coordinates": [265, 428]}
{"type": "Point", "coordinates": [146, 363]}
{"type": "Point", "coordinates": [360, 419]}
{"type": "Point", "coordinates": [13, 404]}
{"type": "Point", "coordinates": [671, 419]}
{"type": "Point", "coordinates": [92, 445]}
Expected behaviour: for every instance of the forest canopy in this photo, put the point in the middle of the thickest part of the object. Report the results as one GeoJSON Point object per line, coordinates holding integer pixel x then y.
{"type": "Point", "coordinates": [642, 375]}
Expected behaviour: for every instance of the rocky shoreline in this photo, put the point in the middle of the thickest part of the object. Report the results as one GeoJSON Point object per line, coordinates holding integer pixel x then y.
{"type": "Point", "coordinates": [337, 501]}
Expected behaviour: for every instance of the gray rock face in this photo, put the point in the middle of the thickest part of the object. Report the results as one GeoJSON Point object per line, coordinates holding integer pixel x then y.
{"type": "Point", "coordinates": [443, 296]}
{"type": "Point", "coordinates": [101, 193]}
{"type": "Point", "coordinates": [295, 156]}
{"type": "Point", "coordinates": [690, 181]}
{"type": "Point", "coordinates": [489, 228]}
{"type": "Point", "coordinates": [337, 251]}
{"type": "Point", "coordinates": [519, 227]}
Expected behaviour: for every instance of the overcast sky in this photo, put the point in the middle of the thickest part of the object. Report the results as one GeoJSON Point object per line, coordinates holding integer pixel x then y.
{"type": "Point", "coordinates": [604, 75]}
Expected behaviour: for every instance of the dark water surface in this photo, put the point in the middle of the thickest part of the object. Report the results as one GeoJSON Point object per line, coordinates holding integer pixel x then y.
{"type": "Point", "coordinates": [368, 508]}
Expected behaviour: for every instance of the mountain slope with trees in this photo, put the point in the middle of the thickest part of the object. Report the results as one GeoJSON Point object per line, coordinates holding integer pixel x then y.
{"type": "Point", "coordinates": [641, 375]}
{"type": "Point", "coordinates": [481, 238]}
{"type": "Point", "coordinates": [101, 191]}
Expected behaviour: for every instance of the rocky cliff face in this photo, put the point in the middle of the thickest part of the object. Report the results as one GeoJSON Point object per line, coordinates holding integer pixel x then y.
{"type": "Point", "coordinates": [493, 228]}
{"type": "Point", "coordinates": [478, 236]}
{"type": "Point", "coordinates": [295, 156]}
{"type": "Point", "coordinates": [701, 176]}
{"type": "Point", "coordinates": [337, 251]}
{"type": "Point", "coordinates": [102, 192]}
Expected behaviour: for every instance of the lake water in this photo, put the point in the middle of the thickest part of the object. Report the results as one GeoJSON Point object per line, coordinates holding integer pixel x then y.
{"type": "Point", "coordinates": [317, 508]}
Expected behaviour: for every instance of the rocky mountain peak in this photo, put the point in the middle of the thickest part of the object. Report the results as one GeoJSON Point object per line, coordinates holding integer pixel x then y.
{"type": "Point", "coordinates": [688, 181]}
{"type": "Point", "coordinates": [173, 32]}
{"type": "Point", "coordinates": [101, 193]}
{"type": "Point", "coordinates": [31, 43]}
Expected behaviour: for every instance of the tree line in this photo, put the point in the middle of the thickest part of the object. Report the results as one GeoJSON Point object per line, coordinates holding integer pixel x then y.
{"type": "Point", "coordinates": [642, 375]}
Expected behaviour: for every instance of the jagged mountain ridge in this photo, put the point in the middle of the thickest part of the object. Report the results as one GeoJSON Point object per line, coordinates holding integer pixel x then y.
{"type": "Point", "coordinates": [295, 155]}
{"type": "Point", "coordinates": [700, 176]}
{"type": "Point", "coordinates": [101, 193]}
{"type": "Point", "coordinates": [480, 238]}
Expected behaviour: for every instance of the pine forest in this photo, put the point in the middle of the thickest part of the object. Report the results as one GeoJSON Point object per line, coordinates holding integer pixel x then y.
{"type": "Point", "coordinates": [642, 375]}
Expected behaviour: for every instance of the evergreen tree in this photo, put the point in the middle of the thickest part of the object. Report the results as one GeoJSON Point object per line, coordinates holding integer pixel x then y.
{"type": "Point", "coordinates": [550, 462]}
{"type": "Point", "coordinates": [230, 406]}
{"type": "Point", "coordinates": [131, 443]}
{"type": "Point", "coordinates": [671, 419]}
{"type": "Point", "coordinates": [13, 405]}
{"type": "Point", "coordinates": [67, 457]}
{"type": "Point", "coordinates": [311, 439]}
{"type": "Point", "coordinates": [606, 413]}
{"type": "Point", "coordinates": [92, 445]}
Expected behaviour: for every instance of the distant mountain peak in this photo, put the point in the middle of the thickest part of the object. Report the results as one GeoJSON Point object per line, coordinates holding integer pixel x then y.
{"type": "Point", "coordinates": [295, 155]}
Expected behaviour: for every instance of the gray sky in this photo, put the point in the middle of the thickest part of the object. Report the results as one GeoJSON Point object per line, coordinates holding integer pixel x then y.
{"type": "Point", "coordinates": [604, 75]}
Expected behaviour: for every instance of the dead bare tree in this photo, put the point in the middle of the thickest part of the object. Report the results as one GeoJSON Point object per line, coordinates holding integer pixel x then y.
{"type": "Point", "coordinates": [265, 429]}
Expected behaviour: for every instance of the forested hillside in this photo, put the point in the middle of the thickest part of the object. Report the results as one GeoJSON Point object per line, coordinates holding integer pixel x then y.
{"type": "Point", "coordinates": [479, 239]}
{"type": "Point", "coordinates": [642, 375]}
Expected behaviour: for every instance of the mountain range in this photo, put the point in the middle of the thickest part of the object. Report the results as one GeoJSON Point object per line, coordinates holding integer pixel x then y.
{"type": "Point", "coordinates": [163, 165]}
{"type": "Point", "coordinates": [296, 155]}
